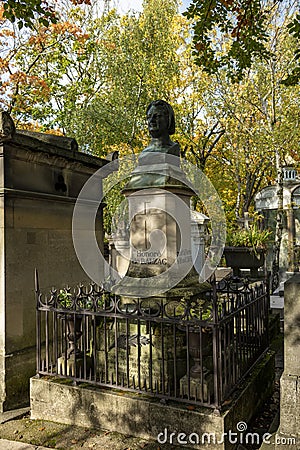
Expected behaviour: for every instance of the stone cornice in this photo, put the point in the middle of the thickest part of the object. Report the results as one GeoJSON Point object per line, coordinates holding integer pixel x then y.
{"type": "Point", "coordinates": [45, 149]}
{"type": "Point", "coordinates": [85, 164]}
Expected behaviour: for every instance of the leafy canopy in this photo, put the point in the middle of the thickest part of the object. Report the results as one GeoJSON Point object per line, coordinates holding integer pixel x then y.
{"type": "Point", "coordinates": [232, 34]}
{"type": "Point", "coordinates": [24, 12]}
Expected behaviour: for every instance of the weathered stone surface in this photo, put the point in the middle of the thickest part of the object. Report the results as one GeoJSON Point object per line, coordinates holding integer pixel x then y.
{"type": "Point", "coordinates": [160, 233]}
{"type": "Point", "coordinates": [40, 179]}
{"type": "Point", "coordinates": [13, 445]}
{"type": "Point", "coordinates": [292, 326]}
{"type": "Point", "coordinates": [285, 442]}
{"type": "Point", "coordinates": [63, 142]}
{"type": "Point", "coordinates": [146, 417]}
{"type": "Point", "coordinates": [290, 404]}
{"type": "Point", "coordinates": [102, 409]}
{"type": "Point", "coordinates": [19, 367]}
{"type": "Point", "coordinates": [7, 127]}
{"type": "Point", "coordinates": [13, 414]}
{"type": "Point", "coordinates": [139, 361]}
{"type": "Point", "coordinates": [290, 379]}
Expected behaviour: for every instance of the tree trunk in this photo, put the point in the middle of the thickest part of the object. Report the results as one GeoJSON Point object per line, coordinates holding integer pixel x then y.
{"type": "Point", "coordinates": [279, 224]}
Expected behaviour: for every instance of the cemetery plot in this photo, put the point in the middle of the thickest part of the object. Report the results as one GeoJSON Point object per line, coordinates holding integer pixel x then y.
{"type": "Point", "coordinates": [193, 350]}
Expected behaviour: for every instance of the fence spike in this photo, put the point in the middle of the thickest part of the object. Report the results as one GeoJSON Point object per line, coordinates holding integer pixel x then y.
{"type": "Point", "coordinates": [36, 280]}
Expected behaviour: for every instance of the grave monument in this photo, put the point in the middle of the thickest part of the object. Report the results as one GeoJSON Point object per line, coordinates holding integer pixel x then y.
{"type": "Point", "coordinates": [41, 176]}
{"type": "Point", "coordinates": [161, 266]}
{"type": "Point", "coordinates": [158, 195]}
{"type": "Point", "coordinates": [152, 337]}
{"type": "Point", "coordinates": [288, 436]}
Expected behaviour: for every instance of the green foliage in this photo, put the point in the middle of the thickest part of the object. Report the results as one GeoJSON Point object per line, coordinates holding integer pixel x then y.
{"type": "Point", "coordinates": [294, 75]}
{"type": "Point", "coordinates": [65, 298]}
{"type": "Point", "coordinates": [112, 200]}
{"type": "Point", "coordinates": [26, 12]}
{"type": "Point", "coordinates": [91, 77]}
{"type": "Point", "coordinates": [243, 27]}
{"type": "Point", "coordinates": [98, 74]}
{"type": "Point", "coordinates": [233, 35]}
{"type": "Point", "coordinates": [261, 118]}
{"type": "Point", "coordinates": [253, 237]}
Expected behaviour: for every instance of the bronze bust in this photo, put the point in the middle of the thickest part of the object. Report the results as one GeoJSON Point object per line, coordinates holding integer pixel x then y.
{"type": "Point", "coordinates": [161, 124]}
{"type": "Point", "coordinates": [159, 163]}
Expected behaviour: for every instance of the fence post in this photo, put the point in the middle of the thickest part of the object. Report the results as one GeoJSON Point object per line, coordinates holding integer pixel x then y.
{"type": "Point", "coordinates": [38, 323]}
{"type": "Point", "coordinates": [216, 348]}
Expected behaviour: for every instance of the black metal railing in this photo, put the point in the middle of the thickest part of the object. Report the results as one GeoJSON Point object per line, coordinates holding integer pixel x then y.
{"type": "Point", "coordinates": [194, 350]}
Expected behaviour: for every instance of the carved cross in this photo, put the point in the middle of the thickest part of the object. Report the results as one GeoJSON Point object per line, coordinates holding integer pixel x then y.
{"type": "Point", "coordinates": [144, 225]}
{"type": "Point", "coordinates": [246, 220]}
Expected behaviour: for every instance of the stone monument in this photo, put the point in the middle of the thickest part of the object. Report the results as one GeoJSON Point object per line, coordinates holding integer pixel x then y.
{"type": "Point", "coordinates": [161, 267]}
{"type": "Point", "coordinates": [153, 338]}
{"type": "Point", "coordinates": [41, 177]}
{"type": "Point", "coordinates": [158, 195]}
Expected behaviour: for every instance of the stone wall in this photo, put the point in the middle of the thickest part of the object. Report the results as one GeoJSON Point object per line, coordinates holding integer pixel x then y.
{"type": "Point", "coordinates": [40, 179]}
{"type": "Point", "coordinates": [290, 379]}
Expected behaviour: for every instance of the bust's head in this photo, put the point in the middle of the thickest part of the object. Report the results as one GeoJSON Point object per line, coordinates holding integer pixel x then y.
{"type": "Point", "coordinates": [160, 118]}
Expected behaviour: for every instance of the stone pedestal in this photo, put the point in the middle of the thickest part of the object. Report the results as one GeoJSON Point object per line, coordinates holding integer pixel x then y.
{"type": "Point", "coordinates": [290, 380]}
{"type": "Point", "coordinates": [160, 232]}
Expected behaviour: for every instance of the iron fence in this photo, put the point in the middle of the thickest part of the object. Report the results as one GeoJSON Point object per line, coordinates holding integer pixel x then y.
{"type": "Point", "coordinates": [193, 350]}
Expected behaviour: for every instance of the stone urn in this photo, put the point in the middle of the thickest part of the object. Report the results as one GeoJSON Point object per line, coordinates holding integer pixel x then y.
{"type": "Point", "coordinates": [73, 334]}
{"type": "Point", "coordinates": [244, 258]}
{"type": "Point", "coordinates": [194, 350]}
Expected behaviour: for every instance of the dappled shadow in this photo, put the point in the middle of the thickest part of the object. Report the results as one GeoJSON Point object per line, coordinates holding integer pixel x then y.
{"type": "Point", "coordinates": [130, 420]}
{"type": "Point", "coordinates": [292, 330]}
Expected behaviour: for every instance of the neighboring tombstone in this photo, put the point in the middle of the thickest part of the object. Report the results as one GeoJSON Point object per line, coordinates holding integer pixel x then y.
{"type": "Point", "coordinates": [289, 429]}
{"type": "Point", "coordinates": [266, 203]}
{"type": "Point", "coordinates": [119, 251]}
{"type": "Point", "coordinates": [41, 176]}
{"type": "Point", "coordinates": [198, 235]}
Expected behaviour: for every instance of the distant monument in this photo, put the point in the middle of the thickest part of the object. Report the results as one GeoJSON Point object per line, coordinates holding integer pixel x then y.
{"type": "Point", "coordinates": [158, 194]}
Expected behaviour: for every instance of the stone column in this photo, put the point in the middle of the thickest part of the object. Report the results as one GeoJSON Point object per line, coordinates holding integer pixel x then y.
{"type": "Point", "coordinates": [291, 238]}
{"type": "Point", "coordinates": [289, 430]}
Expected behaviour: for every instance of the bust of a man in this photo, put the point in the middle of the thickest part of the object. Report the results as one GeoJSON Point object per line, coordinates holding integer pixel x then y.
{"type": "Point", "coordinates": [161, 124]}
{"type": "Point", "coordinates": [159, 163]}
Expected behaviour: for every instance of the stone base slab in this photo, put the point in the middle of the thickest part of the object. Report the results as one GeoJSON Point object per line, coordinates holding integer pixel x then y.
{"type": "Point", "coordinates": [17, 368]}
{"type": "Point", "coordinates": [147, 417]}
